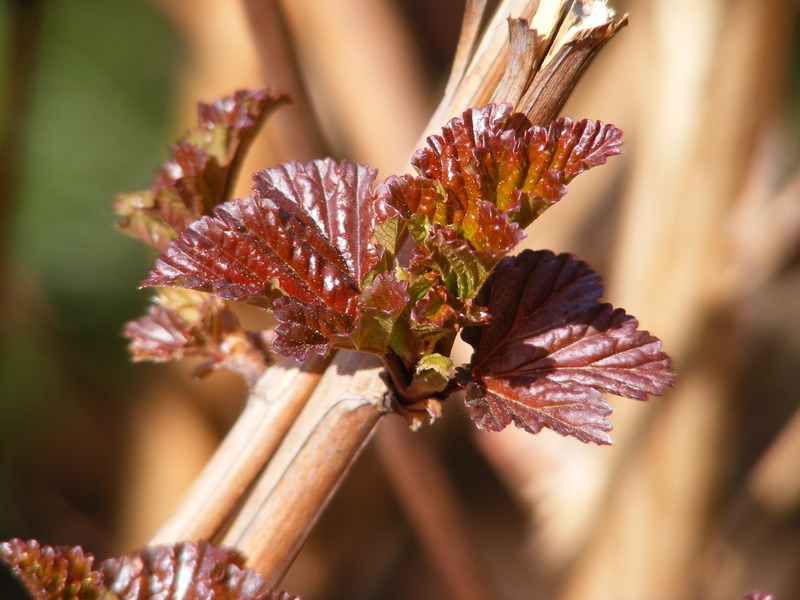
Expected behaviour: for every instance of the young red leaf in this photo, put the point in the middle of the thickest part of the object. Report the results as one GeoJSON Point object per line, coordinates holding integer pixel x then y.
{"type": "Point", "coordinates": [186, 570]}
{"type": "Point", "coordinates": [182, 323]}
{"type": "Point", "coordinates": [306, 232]}
{"type": "Point", "coordinates": [434, 313]}
{"type": "Point", "coordinates": [497, 156]}
{"type": "Point", "coordinates": [550, 347]}
{"type": "Point", "coordinates": [306, 328]}
{"type": "Point", "coordinates": [406, 196]}
{"type": "Point", "coordinates": [203, 168]}
{"type": "Point", "coordinates": [338, 197]}
{"type": "Point", "coordinates": [46, 572]}
{"type": "Point", "coordinates": [380, 305]}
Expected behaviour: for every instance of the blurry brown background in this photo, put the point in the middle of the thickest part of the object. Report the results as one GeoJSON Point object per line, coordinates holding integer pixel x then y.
{"type": "Point", "coordinates": [696, 230]}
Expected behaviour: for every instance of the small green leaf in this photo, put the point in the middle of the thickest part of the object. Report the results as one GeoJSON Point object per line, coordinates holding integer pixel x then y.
{"type": "Point", "coordinates": [380, 305]}
{"type": "Point", "coordinates": [432, 375]}
{"type": "Point", "coordinates": [387, 233]}
{"type": "Point", "coordinates": [463, 269]}
{"type": "Point", "coordinates": [436, 362]}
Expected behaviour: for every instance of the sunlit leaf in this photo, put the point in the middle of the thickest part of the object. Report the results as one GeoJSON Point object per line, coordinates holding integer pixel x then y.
{"type": "Point", "coordinates": [550, 348]}
{"type": "Point", "coordinates": [496, 156]}
{"type": "Point", "coordinates": [463, 267]}
{"type": "Point", "coordinates": [306, 232]}
{"type": "Point", "coordinates": [202, 170]}
{"type": "Point", "coordinates": [380, 305]}
{"type": "Point", "coordinates": [434, 314]}
{"type": "Point", "coordinates": [306, 328]}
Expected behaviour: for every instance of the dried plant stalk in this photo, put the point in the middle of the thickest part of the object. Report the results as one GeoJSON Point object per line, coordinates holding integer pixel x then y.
{"type": "Point", "coordinates": [288, 497]}
{"type": "Point", "coordinates": [703, 110]}
{"type": "Point", "coordinates": [294, 132]}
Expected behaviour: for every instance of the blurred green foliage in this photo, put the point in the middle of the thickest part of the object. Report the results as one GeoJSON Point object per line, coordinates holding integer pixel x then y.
{"type": "Point", "coordinates": [95, 124]}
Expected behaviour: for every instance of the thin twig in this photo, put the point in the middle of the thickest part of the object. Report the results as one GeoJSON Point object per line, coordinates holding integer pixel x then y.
{"type": "Point", "coordinates": [25, 18]}
{"type": "Point", "coordinates": [432, 506]}
{"type": "Point", "coordinates": [294, 129]}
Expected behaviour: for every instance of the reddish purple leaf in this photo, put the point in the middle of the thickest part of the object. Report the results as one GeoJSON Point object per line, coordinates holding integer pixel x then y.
{"type": "Point", "coordinates": [47, 572]}
{"type": "Point", "coordinates": [338, 198]}
{"type": "Point", "coordinates": [497, 156]}
{"type": "Point", "coordinates": [161, 335]}
{"type": "Point", "coordinates": [464, 266]}
{"type": "Point", "coordinates": [550, 347]}
{"type": "Point", "coordinates": [308, 235]}
{"type": "Point", "coordinates": [435, 311]}
{"type": "Point", "coordinates": [566, 408]}
{"type": "Point", "coordinates": [202, 171]}
{"type": "Point", "coordinates": [306, 232]}
{"type": "Point", "coordinates": [405, 196]}
{"type": "Point", "coordinates": [490, 232]}
{"type": "Point", "coordinates": [182, 324]}
{"type": "Point", "coordinates": [186, 570]}
{"type": "Point", "coordinates": [386, 294]}
{"type": "Point", "coordinates": [450, 158]}
{"type": "Point", "coordinates": [306, 328]}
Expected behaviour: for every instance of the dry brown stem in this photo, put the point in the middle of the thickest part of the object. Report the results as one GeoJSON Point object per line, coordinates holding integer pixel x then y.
{"type": "Point", "coordinates": [294, 131]}
{"type": "Point", "coordinates": [269, 413]}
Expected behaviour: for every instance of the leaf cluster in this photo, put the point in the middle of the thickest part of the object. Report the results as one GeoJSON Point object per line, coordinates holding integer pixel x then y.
{"type": "Point", "coordinates": [183, 571]}
{"type": "Point", "coordinates": [399, 268]}
{"type": "Point", "coordinates": [199, 176]}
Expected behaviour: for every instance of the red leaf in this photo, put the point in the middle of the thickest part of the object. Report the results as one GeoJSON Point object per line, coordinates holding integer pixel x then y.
{"type": "Point", "coordinates": [186, 570]}
{"type": "Point", "coordinates": [338, 198]}
{"type": "Point", "coordinates": [182, 324]}
{"type": "Point", "coordinates": [435, 312]}
{"type": "Point", "coordinates": [306, 328]}
{"type": "Point", "coordinates": [450, 158]}
{"type": "Point", "coordinates": [386, 294]}
{"type": "Point", "coordinates": [306, 229]}
{"type": "Point", "coordinates": [550, 347]}
{"type": "Point", "coordinates": [405, 196]}
{"type": "Point", "coordinates": [497, 156]}
{"type": "Point", "coordinates": [202, 171]}
{"type": "Point", "coordinates": [306, 232]}
{"type": "Point", "coordinates": [489, 231]}
{"type": "Point", "coordinates": [565, 408]}
{"type": "Point", "coordinates": [380, 305]}
{"type": "Point", "coordinates": [47, 572]}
